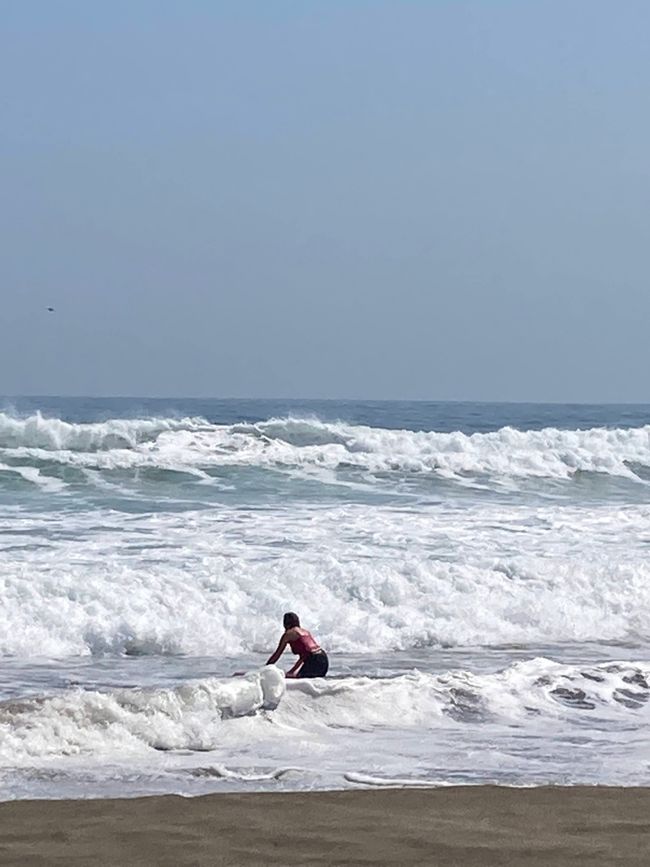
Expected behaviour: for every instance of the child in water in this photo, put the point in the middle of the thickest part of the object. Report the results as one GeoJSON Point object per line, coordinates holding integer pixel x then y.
{"type": "Point", "coordinates": [312, 659]}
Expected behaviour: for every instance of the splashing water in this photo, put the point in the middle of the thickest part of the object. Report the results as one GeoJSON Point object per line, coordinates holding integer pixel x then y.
{"type": "Point", "coordinates": [479, 575]}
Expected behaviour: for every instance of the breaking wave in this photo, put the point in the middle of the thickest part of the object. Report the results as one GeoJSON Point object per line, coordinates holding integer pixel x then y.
{"type": "Point", "coordinates": [79, 722]}
{"type": "Point", "coordinates": [192, 716]}
{"type": "Point", "coordinates": [195, 444]}
{"type": "Point", "coordinates": [366, 581]}
{"type": "Point", "coordinates": [95, 574]}
{"type": "Point", "coordinates": [53, 434]}
{"type": "Point", "coordinates": [524, 690]}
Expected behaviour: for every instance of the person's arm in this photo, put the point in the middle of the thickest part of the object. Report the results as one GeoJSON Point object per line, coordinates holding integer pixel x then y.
{"type": "Point", "coordinates": [295, 670]}
{"type": "Point", "coordinates": [279, 650]}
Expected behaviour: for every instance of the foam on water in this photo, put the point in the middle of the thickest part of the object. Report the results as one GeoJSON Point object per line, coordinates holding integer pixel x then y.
{"type": "Point", "coordinates": [131, 721]}
{"type": "Point", "coordinates": [53, 434]}
{"type": "Point", "coordinates": [344, 726]}
{"type": "Point", "coordinates": [367, 579]}
{"type": "Point", "coordinates": [35, 477]}
{"type": "Point", "coordinates": [179, 444]}
{"type": "Point", "coordinates": [145, 543]}
{"type": "Point", "coordinates": [532, 689]}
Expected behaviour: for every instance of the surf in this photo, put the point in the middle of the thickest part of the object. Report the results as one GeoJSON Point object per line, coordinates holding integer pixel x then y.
{"type": "Point", "coordinates": [186, 443]}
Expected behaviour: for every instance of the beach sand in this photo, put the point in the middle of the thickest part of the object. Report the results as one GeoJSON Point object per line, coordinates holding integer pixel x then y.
{"type": "Point", "coordinates": [469, 827]}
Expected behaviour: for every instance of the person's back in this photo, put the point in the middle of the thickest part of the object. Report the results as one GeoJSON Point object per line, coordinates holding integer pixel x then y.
{"type": "Point", "coordinates": [312, 659]}
{"type": "Point", "coordinates": [304, 643]}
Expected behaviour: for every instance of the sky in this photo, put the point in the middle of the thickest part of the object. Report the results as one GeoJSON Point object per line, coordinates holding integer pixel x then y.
{"type": "Point", "coordinates": [326, 198]}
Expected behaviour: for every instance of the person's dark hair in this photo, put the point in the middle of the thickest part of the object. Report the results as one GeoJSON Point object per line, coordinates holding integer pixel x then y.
{"type": "Point", "coordinates": [290, 620]}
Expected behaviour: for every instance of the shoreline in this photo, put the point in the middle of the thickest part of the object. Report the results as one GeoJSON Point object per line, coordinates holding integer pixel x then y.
{"type": "Point", "coordinates": [469, 826]}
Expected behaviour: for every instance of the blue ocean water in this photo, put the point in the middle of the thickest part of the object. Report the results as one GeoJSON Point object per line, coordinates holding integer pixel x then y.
{"type": "Point", "coordinates": [260, 480]}
{"type": "Point", "coordinates": [443, 416]}
{"type": "Point", "coordinates": [478, 572]}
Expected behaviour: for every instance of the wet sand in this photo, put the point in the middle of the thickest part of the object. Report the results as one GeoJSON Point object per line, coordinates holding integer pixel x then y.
{"type": "Point", "coordinates": [469, 827]}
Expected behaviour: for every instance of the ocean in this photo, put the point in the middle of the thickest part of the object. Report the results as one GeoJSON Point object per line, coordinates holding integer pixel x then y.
{"type": "Point", "coordinates": [478, 573]}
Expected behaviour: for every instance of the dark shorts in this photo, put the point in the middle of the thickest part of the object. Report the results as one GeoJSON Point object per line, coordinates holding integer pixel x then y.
{"type": "Point", "coordinates": [315, 665]}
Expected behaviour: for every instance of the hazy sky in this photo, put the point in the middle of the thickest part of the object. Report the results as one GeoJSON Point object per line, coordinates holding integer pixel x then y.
{"type": "Point", "coordinates": [446, 200]}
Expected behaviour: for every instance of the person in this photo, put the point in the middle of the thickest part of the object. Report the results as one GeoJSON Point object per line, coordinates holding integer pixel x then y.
{"type": "Point", "coordinates": [312, 659]}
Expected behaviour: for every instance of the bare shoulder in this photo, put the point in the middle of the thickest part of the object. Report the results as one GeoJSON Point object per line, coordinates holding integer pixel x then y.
{"type": "Point", "coordinates": [292, 634]}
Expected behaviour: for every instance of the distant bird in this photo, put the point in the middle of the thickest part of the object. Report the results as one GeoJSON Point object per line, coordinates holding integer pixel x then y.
{"type": "Point", "coordinates": [50, 309]}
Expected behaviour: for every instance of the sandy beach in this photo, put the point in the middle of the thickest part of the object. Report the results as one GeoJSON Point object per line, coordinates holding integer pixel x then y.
{"type": "Point", "coordinates": [468, 827]}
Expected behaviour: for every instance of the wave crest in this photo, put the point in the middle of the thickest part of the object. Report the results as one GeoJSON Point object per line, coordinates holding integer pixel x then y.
{"type": "Point", "coordinates": [194, 444]}
{"type": "Point", "coordinates": [191, 716]}
{"type": "Point", "coordinates": [133, 720]}
{"type": "Point", "coordinates": [533, 688]}
{"type": "Point", "coordinates": [54, 434]}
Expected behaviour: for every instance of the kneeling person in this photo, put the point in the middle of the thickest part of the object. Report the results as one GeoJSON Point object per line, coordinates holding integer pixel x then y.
{"type": "Point", "coordinates": [312, 659]}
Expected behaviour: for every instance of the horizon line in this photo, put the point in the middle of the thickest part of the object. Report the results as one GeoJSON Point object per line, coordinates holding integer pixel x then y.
{"type": "Point", "coordinates": [324, 399]}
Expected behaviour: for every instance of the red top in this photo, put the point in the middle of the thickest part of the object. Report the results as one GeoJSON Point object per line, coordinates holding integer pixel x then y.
{"type": "Point", "coordinates": [304, 645]}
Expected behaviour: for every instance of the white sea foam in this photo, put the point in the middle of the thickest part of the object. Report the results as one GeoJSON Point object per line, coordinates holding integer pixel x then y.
{"type": "Point", "coordinates": [181, 538]}
{"type": "Point", "coordinates": [374, 782]}
{"type": "Point", "coordinates": [53, 434]}
{"type": "Point", "coordinates": [181, 444]}
{"type": "Point", "coordinates": [35, 476]}
{"type": "Point", "coordinates": [534, 688]}
{"type": "Point", "coordinates": [79, 722]}
{"type": "Point", "coordinates": [213, 714]}
{"type": "Point", "coordinates": [366, 579]}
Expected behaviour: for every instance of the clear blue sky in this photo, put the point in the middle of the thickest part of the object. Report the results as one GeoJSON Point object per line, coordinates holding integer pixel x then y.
{"type": "Point", "coordinates": [446, 200]}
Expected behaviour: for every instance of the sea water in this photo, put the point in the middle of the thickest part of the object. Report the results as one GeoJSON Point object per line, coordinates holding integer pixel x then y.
{"type": "Point", "coordinates": [478, 573]}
